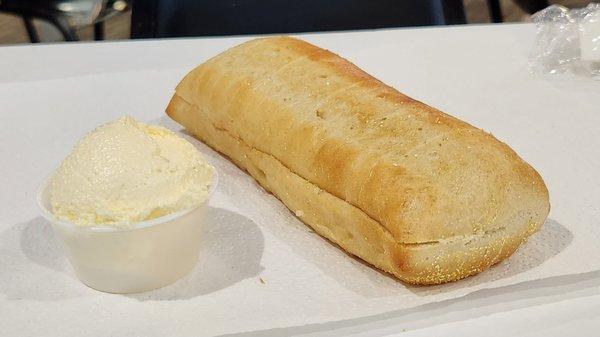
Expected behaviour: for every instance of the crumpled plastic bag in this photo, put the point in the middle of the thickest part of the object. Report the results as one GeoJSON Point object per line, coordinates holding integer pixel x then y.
{"type": "Point", "coordinates": [557, 48]}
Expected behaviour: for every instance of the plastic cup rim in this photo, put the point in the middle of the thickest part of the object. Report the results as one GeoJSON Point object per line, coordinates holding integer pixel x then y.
{"type": "Point", "coordinates": [99, 228]}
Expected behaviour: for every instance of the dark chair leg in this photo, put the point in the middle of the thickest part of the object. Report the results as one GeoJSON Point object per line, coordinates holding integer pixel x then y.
{"type": "Point", "coordinates": [31, 31]}
{"type": "Point", "coordinates": [454, 12]}
{"type": "Point", "coordinates": [495, 10]}
{"type": "Point", "coordinates": [65, 29]}
{"type": "Point", "coordinates": [532, 6]}
{"type": "Point", "coordinates": [99, 31]}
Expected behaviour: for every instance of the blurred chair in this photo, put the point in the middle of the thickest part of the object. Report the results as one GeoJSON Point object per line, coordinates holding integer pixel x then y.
{"type": "Point", "coordinates": [175, 18]}
{"type": "Point", "coordinates": [528, 6]}
{"type": "Point", "coordinates": [66, 15]}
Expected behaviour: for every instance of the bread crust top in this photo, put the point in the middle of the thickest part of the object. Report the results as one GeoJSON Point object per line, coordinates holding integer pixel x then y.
{"type": "Point", "coordinates": [423, 175]}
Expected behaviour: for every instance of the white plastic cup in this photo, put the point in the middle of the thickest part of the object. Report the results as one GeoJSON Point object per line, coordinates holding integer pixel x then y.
{"type": "Point", "coordinates": [149, 255]}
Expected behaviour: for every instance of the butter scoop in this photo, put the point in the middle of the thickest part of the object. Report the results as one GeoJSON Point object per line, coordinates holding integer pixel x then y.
{"type": "Point", "coordinates": [124, 172]}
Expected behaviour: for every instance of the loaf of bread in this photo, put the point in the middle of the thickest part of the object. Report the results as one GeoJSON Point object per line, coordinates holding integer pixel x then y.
{"type": "Point", "coordinates": [410, 190]}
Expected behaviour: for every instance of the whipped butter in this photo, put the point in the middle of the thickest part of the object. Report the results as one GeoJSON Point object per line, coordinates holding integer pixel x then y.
{"type": "Point", "coordinates": [125, 172]}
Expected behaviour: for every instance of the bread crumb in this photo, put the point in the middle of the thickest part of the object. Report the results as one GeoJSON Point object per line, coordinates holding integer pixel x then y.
{"type": "Point", "coordinates": [262, 280]}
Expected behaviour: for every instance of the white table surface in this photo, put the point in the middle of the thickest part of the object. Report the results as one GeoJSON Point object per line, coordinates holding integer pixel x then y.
{"type": "Point", "coordinates": [479, 60]}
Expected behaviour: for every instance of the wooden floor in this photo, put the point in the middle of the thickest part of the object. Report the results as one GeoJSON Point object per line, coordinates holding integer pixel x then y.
{"type": "Point", "coordinates": [477, 9]}
{"type": "Point", "coordinates": [12, 30]}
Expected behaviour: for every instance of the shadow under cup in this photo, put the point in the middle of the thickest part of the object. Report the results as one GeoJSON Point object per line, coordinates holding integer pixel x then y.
{"type": "Point", "coordinates": [149, 255]}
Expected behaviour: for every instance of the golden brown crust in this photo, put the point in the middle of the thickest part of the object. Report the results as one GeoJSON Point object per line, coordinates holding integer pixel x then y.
{"type": "Point", "coordinates": [417, 174]}
{"type": "Point", "coordinates": [349, 227]}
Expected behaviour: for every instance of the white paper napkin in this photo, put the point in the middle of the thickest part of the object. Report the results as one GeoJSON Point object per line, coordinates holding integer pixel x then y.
{"type": "Point", "coordinates": [260, 268]}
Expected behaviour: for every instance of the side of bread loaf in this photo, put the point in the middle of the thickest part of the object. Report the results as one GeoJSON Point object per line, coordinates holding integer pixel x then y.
{"type": "Point", "coordinates": [413, 191]}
